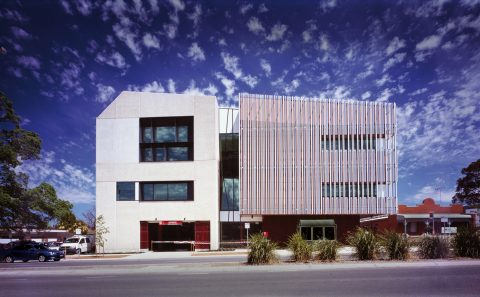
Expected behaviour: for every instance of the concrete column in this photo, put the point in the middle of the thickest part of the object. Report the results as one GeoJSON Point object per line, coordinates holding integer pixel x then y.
{"type": "Point", "coordinates": [214, 234]}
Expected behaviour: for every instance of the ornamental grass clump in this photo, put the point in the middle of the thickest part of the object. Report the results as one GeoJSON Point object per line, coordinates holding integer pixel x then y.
{"type": "Point", "coordinates": [466, 243]}
{"type": "Point", "coordinates": [301, 249]}
{"type": "Point", "coordinates": [365, 242]}
{"type": "Point", "coordinates": [433, 247]}
{"type": "Point", "coordinates": [396, 245]}
{"type": "Point", "coordinates": [327, 250]}
{"type": "Point", "coordinates": [262, 250]}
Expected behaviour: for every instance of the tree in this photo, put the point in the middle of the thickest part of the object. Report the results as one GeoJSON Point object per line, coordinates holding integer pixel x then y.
{"type": "Point", "coordinates": [20, 207]}
{"type": "Point", "coordinates": [90, 217]}
{"type": "Point", "coordinates": [468, 186]}
{"type": "Point", "coordinates": [100, 231]}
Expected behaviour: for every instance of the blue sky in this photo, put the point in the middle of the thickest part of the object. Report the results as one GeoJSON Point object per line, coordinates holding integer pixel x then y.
{"type": "Point", "coordinates": [65, 61]}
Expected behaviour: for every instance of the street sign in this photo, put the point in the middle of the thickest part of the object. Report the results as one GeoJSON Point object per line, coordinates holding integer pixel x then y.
{"type": "Point", "coordinates": [444, 220]}
{"type": "Point", "coordinates": [247, 225]}
{"type": "Point", "coordinates": [171, 223]}
{"type": "Point", "coordinates": [449, 230]}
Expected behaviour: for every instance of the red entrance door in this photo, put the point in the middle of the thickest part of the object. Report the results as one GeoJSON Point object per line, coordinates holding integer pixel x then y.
{"type": "Point", "coordinates": [202, 235]}
{"type": "Point", "coordinates": [144, 240]}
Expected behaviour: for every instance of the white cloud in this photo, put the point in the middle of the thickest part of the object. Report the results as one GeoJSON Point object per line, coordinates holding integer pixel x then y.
{"type": "Point", "coordinates": [385, 95]}
{"type": "Point", "coordinates": [307, 34]}
{"type": "Point", "coordinates": [324, 44]}
{"type": "Point", "coordinates": [394, 45]}
{"type": "Point", "coordinates": [85, 7]}
{"type": "Point", "coordinates": [277, 32]}
{"type": "Point", "coordinates": [129, 38]}
{"type": "Point", "coordinates": [266, 67]}
{"type": "Point", "coordinates": [262, 8]}
{"type": "Point", "coordinates": [231, 65]}
{"type": "Point", "coordinates": [255, 26]}
{"type": "Point", "coordinates": [397, 58]}
{"type": "Point", "coordinates": [434, 192]}
{"type": "Point", "coordinates": [292, 86]}
{"type": "Point", "coordinates": [104, 93]}
{"type": "Point", "coordinates": [419, 91]}
{"type": "Point", "coordinates": [115, 60]}
{"type": "Point", "coordinates": [196, 15]}
{"type": "Point", "coordinates": [380, 82]}
{"type": "Point", "coordinates": [196, 53]}
{"type": "Point", "coordinates": [29, 62]}
{"type": "Point", "coordinates": [72, 183]}
{"type": "Point", "coordinates": [154, 86]}
{"type": "Point", "coordinates": [20, 33]}
{"type": "Point", "coordinates": [367, 72]}
{"type": "Point", "coordinates": [170, 30]}
{"type": "Point", "coordinates": [429, 42]}
{"type": "Point", "coordinates": [366, 95]}
{"type": "Point", "coordinates": [227, 83]}
{"type": "Point", "coordinates": [171, 85]}
{"type": "Point", "coordinates": [150, 40]}
{"type": "Point", "coordinates": [194, 90]}
{"type": "Point", "coordinates": [245, 8]}
{"type": "Point", "coordinates": [328, 4]}
{"type": "Point", "coordinates": [177, 4]}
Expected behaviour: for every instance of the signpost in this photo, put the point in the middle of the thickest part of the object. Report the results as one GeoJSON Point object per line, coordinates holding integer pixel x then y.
{"type": "Point", "coordinates": [247, 226]}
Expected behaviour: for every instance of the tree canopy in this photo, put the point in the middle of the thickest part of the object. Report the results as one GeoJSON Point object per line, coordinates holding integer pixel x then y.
{"type": "Point", "coordinates": [22, 207]}
{"type": "Point", "coordinates": [468, 186]}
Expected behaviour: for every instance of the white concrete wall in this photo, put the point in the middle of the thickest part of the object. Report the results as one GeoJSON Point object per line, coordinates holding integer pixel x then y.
{"type": "Point", "coordinates": [117, 153]}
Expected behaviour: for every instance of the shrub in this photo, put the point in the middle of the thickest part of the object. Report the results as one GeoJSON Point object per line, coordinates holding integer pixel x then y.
{"type": "Point", "coordinates": [365, 242]}
{"type": "Point", "coordinates": [301, 249]}
{"type": "Point", "coordinates": [433, 247]}
{"type": "Point", "coordinates": [466, 243]}
{"type": "Point", "coordinates": [262, 250]}
{"type": "Point", "coordinates": [395, 244]}
{"type": "Point", "coordinates": [327, 250]}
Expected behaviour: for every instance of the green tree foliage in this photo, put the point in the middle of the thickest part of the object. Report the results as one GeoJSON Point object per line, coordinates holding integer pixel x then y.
{"type": "Point", "coordinates": [21, 207]}
{"type": "Point", "coordinates": [468, 187]}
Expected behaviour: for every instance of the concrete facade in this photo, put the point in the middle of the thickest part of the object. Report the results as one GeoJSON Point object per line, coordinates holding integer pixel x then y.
{"type": "Point", "coordinates": [118, 160]}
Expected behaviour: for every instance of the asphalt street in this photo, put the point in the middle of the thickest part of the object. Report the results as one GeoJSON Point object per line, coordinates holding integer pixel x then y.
{"type": "Point", "coordinates": [227, 279]}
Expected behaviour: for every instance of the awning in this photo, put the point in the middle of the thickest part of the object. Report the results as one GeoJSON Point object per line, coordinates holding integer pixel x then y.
{"type": "Point", "coordinates": [436, 216]}
{"type": "Point", "coordinates": [315, 223]}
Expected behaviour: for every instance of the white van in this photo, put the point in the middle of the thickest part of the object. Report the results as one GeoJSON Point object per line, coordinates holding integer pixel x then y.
{"type": "Point", "coordinates": [77, 244]}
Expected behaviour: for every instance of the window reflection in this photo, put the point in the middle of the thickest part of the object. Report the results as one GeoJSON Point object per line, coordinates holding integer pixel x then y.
{"type": "Point", "coordinates": [177, 191]}
{"type": "Point", "coordinates": [161, 192]}
{"type": "Point", "coordinates": [147, 192]}
{"type": "Point", "coordinates": [230, 194]}
{"type": "Point", "coordinates": [147, 134]}
{"type": "Point", "coordinates": [167, 191]}
{"type": "Point", "coordinates": [182, 132]}
{"type": "Point", "coordinates": [165, 134]}
{"type": "Point", "coordinates": [177, 153]}
{"type": "Point", "coordinates": [147, 155]}
{"type": "Point", "coordinates": [160, 154]}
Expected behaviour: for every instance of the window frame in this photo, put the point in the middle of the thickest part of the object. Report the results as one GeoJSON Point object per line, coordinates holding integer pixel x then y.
{"type": "Point", "coordinates": [190, 191]}
{"type": "Point", "coordinates": [117, 193]}
{"type": "Point", "coordinates": [178, 123]}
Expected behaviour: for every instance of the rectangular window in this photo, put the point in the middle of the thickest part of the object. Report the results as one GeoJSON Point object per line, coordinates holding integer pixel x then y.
{"type": "Point", "coordinates": [177, 153]}
{"type": "Point", "coordinates": [125, 191]}
{"type": "Point", "coordinates": [147, 135]}
{"type": "Point", "coordinates": [147, 155]}
{"type": "Point", "coordinates": [167, 191]}
{"type": "Point", "coordinates": [166, 139]}
{"type": "Point", "coordinates": [182, 133]}
{"type": "Point", "coordinates": [165, 134]}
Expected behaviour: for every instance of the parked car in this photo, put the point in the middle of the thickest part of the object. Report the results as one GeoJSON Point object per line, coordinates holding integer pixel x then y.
{"type": "Point", "coordinates": [77, 244]}
{"type": "Point", "coordinates": [26, 252]}
{"type": "Point", "coordinates": [54, 245]}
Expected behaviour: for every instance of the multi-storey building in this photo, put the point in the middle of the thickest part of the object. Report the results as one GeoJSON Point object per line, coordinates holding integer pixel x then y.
{"type": "Point", "coordinates": [176, 169]}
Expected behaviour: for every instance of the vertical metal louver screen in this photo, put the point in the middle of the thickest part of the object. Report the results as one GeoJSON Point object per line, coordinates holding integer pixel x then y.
{"type": "Point", "coordinates": [309, 156]}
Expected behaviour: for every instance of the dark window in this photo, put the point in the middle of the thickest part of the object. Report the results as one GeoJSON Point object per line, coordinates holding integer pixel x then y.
{"type": "Point", "coordinates": [306, 233]}
{"type": "Point", "coordinates": [230, 194]}
{"type": "Point", "coordinates": [166, 139]}
{"type": "Point", "coordinates": [88, 240]}
{"type": "Point", "coordinates": [177, 153]}
{"type": "Point", "coordinates": [167, 191]}
{"type": "Point", "coordinates": [125, 191]}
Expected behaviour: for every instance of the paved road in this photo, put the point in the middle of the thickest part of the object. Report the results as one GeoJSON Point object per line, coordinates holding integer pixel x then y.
{"type": "Point", "coordinates": [214, 279]}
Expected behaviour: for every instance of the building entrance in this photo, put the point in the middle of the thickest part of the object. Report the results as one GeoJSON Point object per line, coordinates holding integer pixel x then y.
{"type": "Point", "coordinates": [174, 235]}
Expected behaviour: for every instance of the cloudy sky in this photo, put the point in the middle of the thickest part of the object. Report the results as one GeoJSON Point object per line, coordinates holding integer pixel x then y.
{"type": "Point", "coordinates": [65, 61]}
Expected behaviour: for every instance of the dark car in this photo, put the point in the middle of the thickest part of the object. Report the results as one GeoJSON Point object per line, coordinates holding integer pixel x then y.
{"type": "Point", "coordinates": [26, 252]}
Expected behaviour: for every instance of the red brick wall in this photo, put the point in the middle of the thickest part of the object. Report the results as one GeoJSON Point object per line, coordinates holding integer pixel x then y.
{"type": "Point", "coordinates": [279, 227]}
{"type": "Point", "coordinates": [428, 205]}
